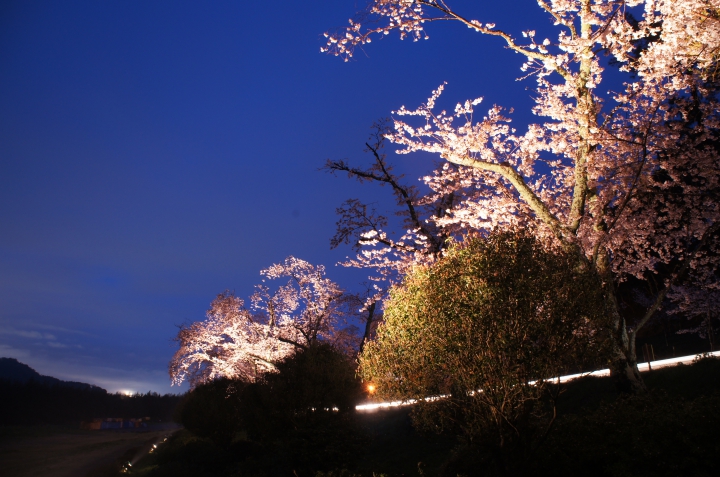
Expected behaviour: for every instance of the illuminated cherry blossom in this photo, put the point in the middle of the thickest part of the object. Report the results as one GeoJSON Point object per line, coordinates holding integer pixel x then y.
{"type": "Point", "coordinates": [235, 342]}
{"type": "Point", "coordinates": [629, 180]}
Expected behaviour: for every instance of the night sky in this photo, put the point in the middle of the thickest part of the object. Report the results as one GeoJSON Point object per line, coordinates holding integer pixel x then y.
{"type": "Point", "coordinates": [156, 153]}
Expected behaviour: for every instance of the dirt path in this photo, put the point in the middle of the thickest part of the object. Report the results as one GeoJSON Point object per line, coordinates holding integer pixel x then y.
{"type": "Point", "coordinates": [52, 452]}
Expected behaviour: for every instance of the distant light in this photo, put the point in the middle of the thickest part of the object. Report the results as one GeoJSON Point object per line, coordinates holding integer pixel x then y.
{"type": "Point", "coordinates": [371, 388]}
{"type": "Point", "coordinates": [127, 392]}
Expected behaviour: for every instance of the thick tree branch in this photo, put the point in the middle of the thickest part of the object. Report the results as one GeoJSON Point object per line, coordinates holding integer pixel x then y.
{"type": "Point", "coordinates": [292, 342]}
{"type": "Point", "coordinates": [525, 192]}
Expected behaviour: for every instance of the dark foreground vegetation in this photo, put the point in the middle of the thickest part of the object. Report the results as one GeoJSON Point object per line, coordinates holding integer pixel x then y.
{"type": "Point", "coordinates": [281, 427]}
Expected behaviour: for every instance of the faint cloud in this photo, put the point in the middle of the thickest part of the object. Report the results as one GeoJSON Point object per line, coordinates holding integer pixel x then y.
{"type": "Point", "coordinates": [27, 334]}
{"type": "Point", "coordinates": [62, 330]}
{"type": "Point", "coordinates": [47, 339]}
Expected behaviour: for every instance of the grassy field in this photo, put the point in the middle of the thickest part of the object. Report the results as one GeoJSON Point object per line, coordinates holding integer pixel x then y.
{"type": "Point", "coordinates": [63, 451]}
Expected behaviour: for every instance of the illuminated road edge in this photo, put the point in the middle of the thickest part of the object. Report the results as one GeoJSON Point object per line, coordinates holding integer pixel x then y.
{"type": "Point", "coordinates": [662, 363]}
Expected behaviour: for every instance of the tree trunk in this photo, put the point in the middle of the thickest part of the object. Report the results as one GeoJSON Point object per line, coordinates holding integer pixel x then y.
{"type": "Point", "coordinates": [368, 326]}
{"type": "Point", "coordinates": [624, 372]}
{"type": "Point", "coordinates": [623, 363]}
{"type": "Point", "coordinates": [711, 334]}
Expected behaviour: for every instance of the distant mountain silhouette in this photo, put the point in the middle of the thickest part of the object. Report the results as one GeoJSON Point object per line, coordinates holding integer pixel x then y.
{"type": "Point", "coordinates": [13, 370]}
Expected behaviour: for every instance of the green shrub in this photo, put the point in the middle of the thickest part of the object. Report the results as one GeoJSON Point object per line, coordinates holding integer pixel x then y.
{"type": "Point", "coordinates": [476, 328]}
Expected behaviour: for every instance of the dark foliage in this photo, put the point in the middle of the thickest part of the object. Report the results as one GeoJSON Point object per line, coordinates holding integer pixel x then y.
{"type": "Point", "coordinates": [299, 420]}
{"type": "Point", "coordinates": [304, 414]}
{"type": "Point", "coordinates": [187, 455]}
{"type": "Point", "coordinates": [211, 410]}
{"type": "Point", "coordinates": [653, 435]}
{"type": "Point", "coordinates": [669, 432]}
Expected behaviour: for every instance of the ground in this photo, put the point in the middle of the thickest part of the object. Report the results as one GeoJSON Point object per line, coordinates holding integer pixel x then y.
{"type": "Point", "coordinates": [62, 451]}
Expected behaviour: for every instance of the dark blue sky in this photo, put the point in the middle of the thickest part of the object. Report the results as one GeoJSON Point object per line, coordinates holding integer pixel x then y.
{"type": "Point", "coordinates": [156, 153]}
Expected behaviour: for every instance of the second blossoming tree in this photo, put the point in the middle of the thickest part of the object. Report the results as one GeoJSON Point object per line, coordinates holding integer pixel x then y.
{"type": "Point", "coordinates": [244, 343]}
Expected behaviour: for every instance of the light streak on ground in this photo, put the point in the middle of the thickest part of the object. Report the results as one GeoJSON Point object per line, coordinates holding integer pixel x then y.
{"type": "Point", "coordinates": [646, 366]}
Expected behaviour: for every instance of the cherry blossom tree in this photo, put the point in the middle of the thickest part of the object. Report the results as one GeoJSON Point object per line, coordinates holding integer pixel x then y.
{"type": "Point", "coordinates": [309, 307]}
{"type": "Point", "coordinates": [230, 342]}
{"type": "Point", "coordinates": [626, 180]}
{"type": "Point", "coordinates": [240, 343]}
